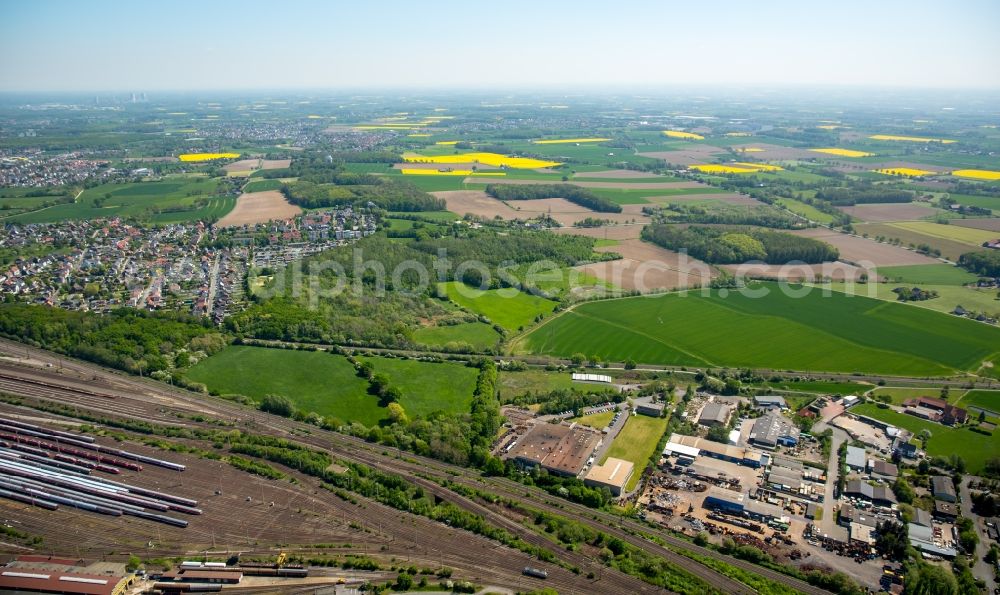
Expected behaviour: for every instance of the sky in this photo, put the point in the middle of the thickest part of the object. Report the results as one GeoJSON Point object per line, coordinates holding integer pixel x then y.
{"type": "Point", "coordinates": [102, 45]}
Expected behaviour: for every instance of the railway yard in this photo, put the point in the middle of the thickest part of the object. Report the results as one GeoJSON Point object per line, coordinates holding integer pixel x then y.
{"type": "Point", "coordinates": [257, 517]}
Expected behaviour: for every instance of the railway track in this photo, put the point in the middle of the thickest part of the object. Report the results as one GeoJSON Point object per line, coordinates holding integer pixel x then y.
{"type": "Point", "coordinates": [142, 399]}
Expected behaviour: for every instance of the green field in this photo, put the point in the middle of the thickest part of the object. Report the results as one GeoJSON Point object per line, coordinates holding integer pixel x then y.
{"type": "Point", "coordinates": [328, 384]}
{"type": "Point", "coordinates": [983, 202]}
{"type": "Point", "coordinates": [949, 296]}
{"type": "Point", "coordinates": [428, 387]}
{"type": "Point", "coordinates": [166, 201]}
{"type": "Point", "coordinates": [900, 394]}
{"type": "Point", "coordinates": [262, 185]}
{"type": "Point", "coordinates": [477, 334]}
{"type": "Point", "coordinates": [636, 442]}
{"type": "Point", "coordinates": [595, 420]}
{"type": "Point", "coordinates": [965, 235]}
{"type": "Point", "coordinates": [778, 331]}
{"type": "Point", "coordinates": [985, 399]}
{"type": "Point", "coordinates": [806, 210]}
{"type": "Point", "coordinates": [515, 384]}
{"type": "Point", "coordinates": [934, 274]}
{"type": "Point", "coordinates": [442, 216]}
{"type": "Point", "coordinates": [509, 311]}
{"type": "Point", "coordinates": [973, 447]}
{"type": "Point", "coordinates": [821, 387]}
{"type": "Point", "coordinates": [313, 380]}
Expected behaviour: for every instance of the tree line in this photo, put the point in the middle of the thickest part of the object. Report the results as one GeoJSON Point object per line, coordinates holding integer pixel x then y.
{"type": "Point", "coordinates": [845, 197]}
{"type": "Point", "coordinates": [985, 263]}
{"type": "Point", "coordinates": [717, 245]}
{"type": "Point", "coordinates": [385, 193]}
{"type": "Point", "coordinates": [136, 341]}
{"type": "Point", "coordinates": [575, 194]}
{"type": "Point", "coordinates": [764, 216]}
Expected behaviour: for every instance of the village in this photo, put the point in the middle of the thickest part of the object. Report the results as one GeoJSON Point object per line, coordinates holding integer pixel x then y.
{"type": "Point", "coordinates": [193, 268]}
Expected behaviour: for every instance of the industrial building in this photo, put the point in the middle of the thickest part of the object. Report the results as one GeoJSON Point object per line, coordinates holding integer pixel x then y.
{"type": "Point", "coordinates": [222, 575]}
{"type": "Point", "coordinates": [693, 447]}
{"type": "Point", "coordinates": [557, 448]}
{"type": "Point", "coordinates": [943, 489]}
{"type": "Point", "coordinates": [725, 500]}
{"type": "Point", "coordinates": [649, 408]}
{"type": "Point", "coordinates": [613, 474]}
{"type": "Point", "coordinates": [877, 495]}
{"type": "Point", "coordinates": [581, 377]}
{"type": "Point", "coordinates": [715, 414]}
{"type": "Point", "coordinates": [45, 574]}
{"type": "Point", "coordinates": [884, 470]}
{"type": "Point", "coordinates": [771, 430]}
{"type": "Point", "coordinates": [922, 538]}
{"type": "Point", "coordinates": [740, 504]}
{"type": "Point", "coordinates": [769, 402]}
{"type": "Point", "coordinates": [849, 515]}
{"type": "Point", "coordinates": [857, 459]}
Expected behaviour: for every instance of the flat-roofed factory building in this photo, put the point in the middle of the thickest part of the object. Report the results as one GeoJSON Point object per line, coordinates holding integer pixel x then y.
{"type": "Point", "coordinates": [557, 448]}
{"type": "Point", "coordinates": [613, 474]}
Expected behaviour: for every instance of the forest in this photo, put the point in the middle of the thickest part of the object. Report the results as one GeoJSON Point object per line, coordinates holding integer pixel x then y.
{"type": "Point", "coordinates": [735, 245]}
{"type": "Point", "coordinates": [136, 341]}
{"type": "Point", "coordinates": [574, 194]}
{"type": "Point", "coordinates": [985, 263]}
{"type": "Point", "coordinates": [764, 216]}
{"type": "Point", "coordinates": [845, 197]}
{"type": "Point", "coordinates": [347, 188]}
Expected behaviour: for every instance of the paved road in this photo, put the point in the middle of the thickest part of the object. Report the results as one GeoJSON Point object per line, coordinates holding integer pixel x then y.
{"type": "Point", "coordinates": [828, 524]}
{"type": "Point", "coordinates": [980, 569]}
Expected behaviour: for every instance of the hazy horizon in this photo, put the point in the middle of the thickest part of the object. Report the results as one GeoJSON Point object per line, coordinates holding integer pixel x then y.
{"type": "Point", "coordinates": [108, 46]}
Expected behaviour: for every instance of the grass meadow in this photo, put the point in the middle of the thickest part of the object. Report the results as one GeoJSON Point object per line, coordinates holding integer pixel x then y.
{"type": "Point", "coordinates": [328, 384]}
{"type": "Point", "coordinates": [836, 333]}
{"type": "Point", "coordinates": [477, 334]}
{"type": "Point", "coordinates": [509, 312]}
{"type": "Point", "coordinates": [636, 442]}
{"type": "Point", "coordinates": [170, 200]}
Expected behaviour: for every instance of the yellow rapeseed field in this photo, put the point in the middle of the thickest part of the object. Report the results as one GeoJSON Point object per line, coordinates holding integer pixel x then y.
{"type": "Point", "coordinates": [559, 141]}
{"type": "Point", "coordinates": [687, 135]}
{"type": "Point", "coordinates": [830, 126]}
{"type": "Point", "coordinates": [450, 172]}
{"type": "Point", "coordinates": [418, 134]}
{"type": "Point", "coordinates": [843, 152]}
{"type": "Point", "coordinates": [207, 156]}
{"type": "Point", "coordinates": [903, 171]}
{"type": "Point", "coordinates": [977, 174]}
{"type": "Point", "coordinates": [447, 143]}
{"type": "Point", "coordinates": [494, 159]}
{"type": "Point", "coordinates": [912, 139]}
{"type": "Point", "coordinates": [713, 168]}
{"type": "Point", "coordinates": [760, 166]}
